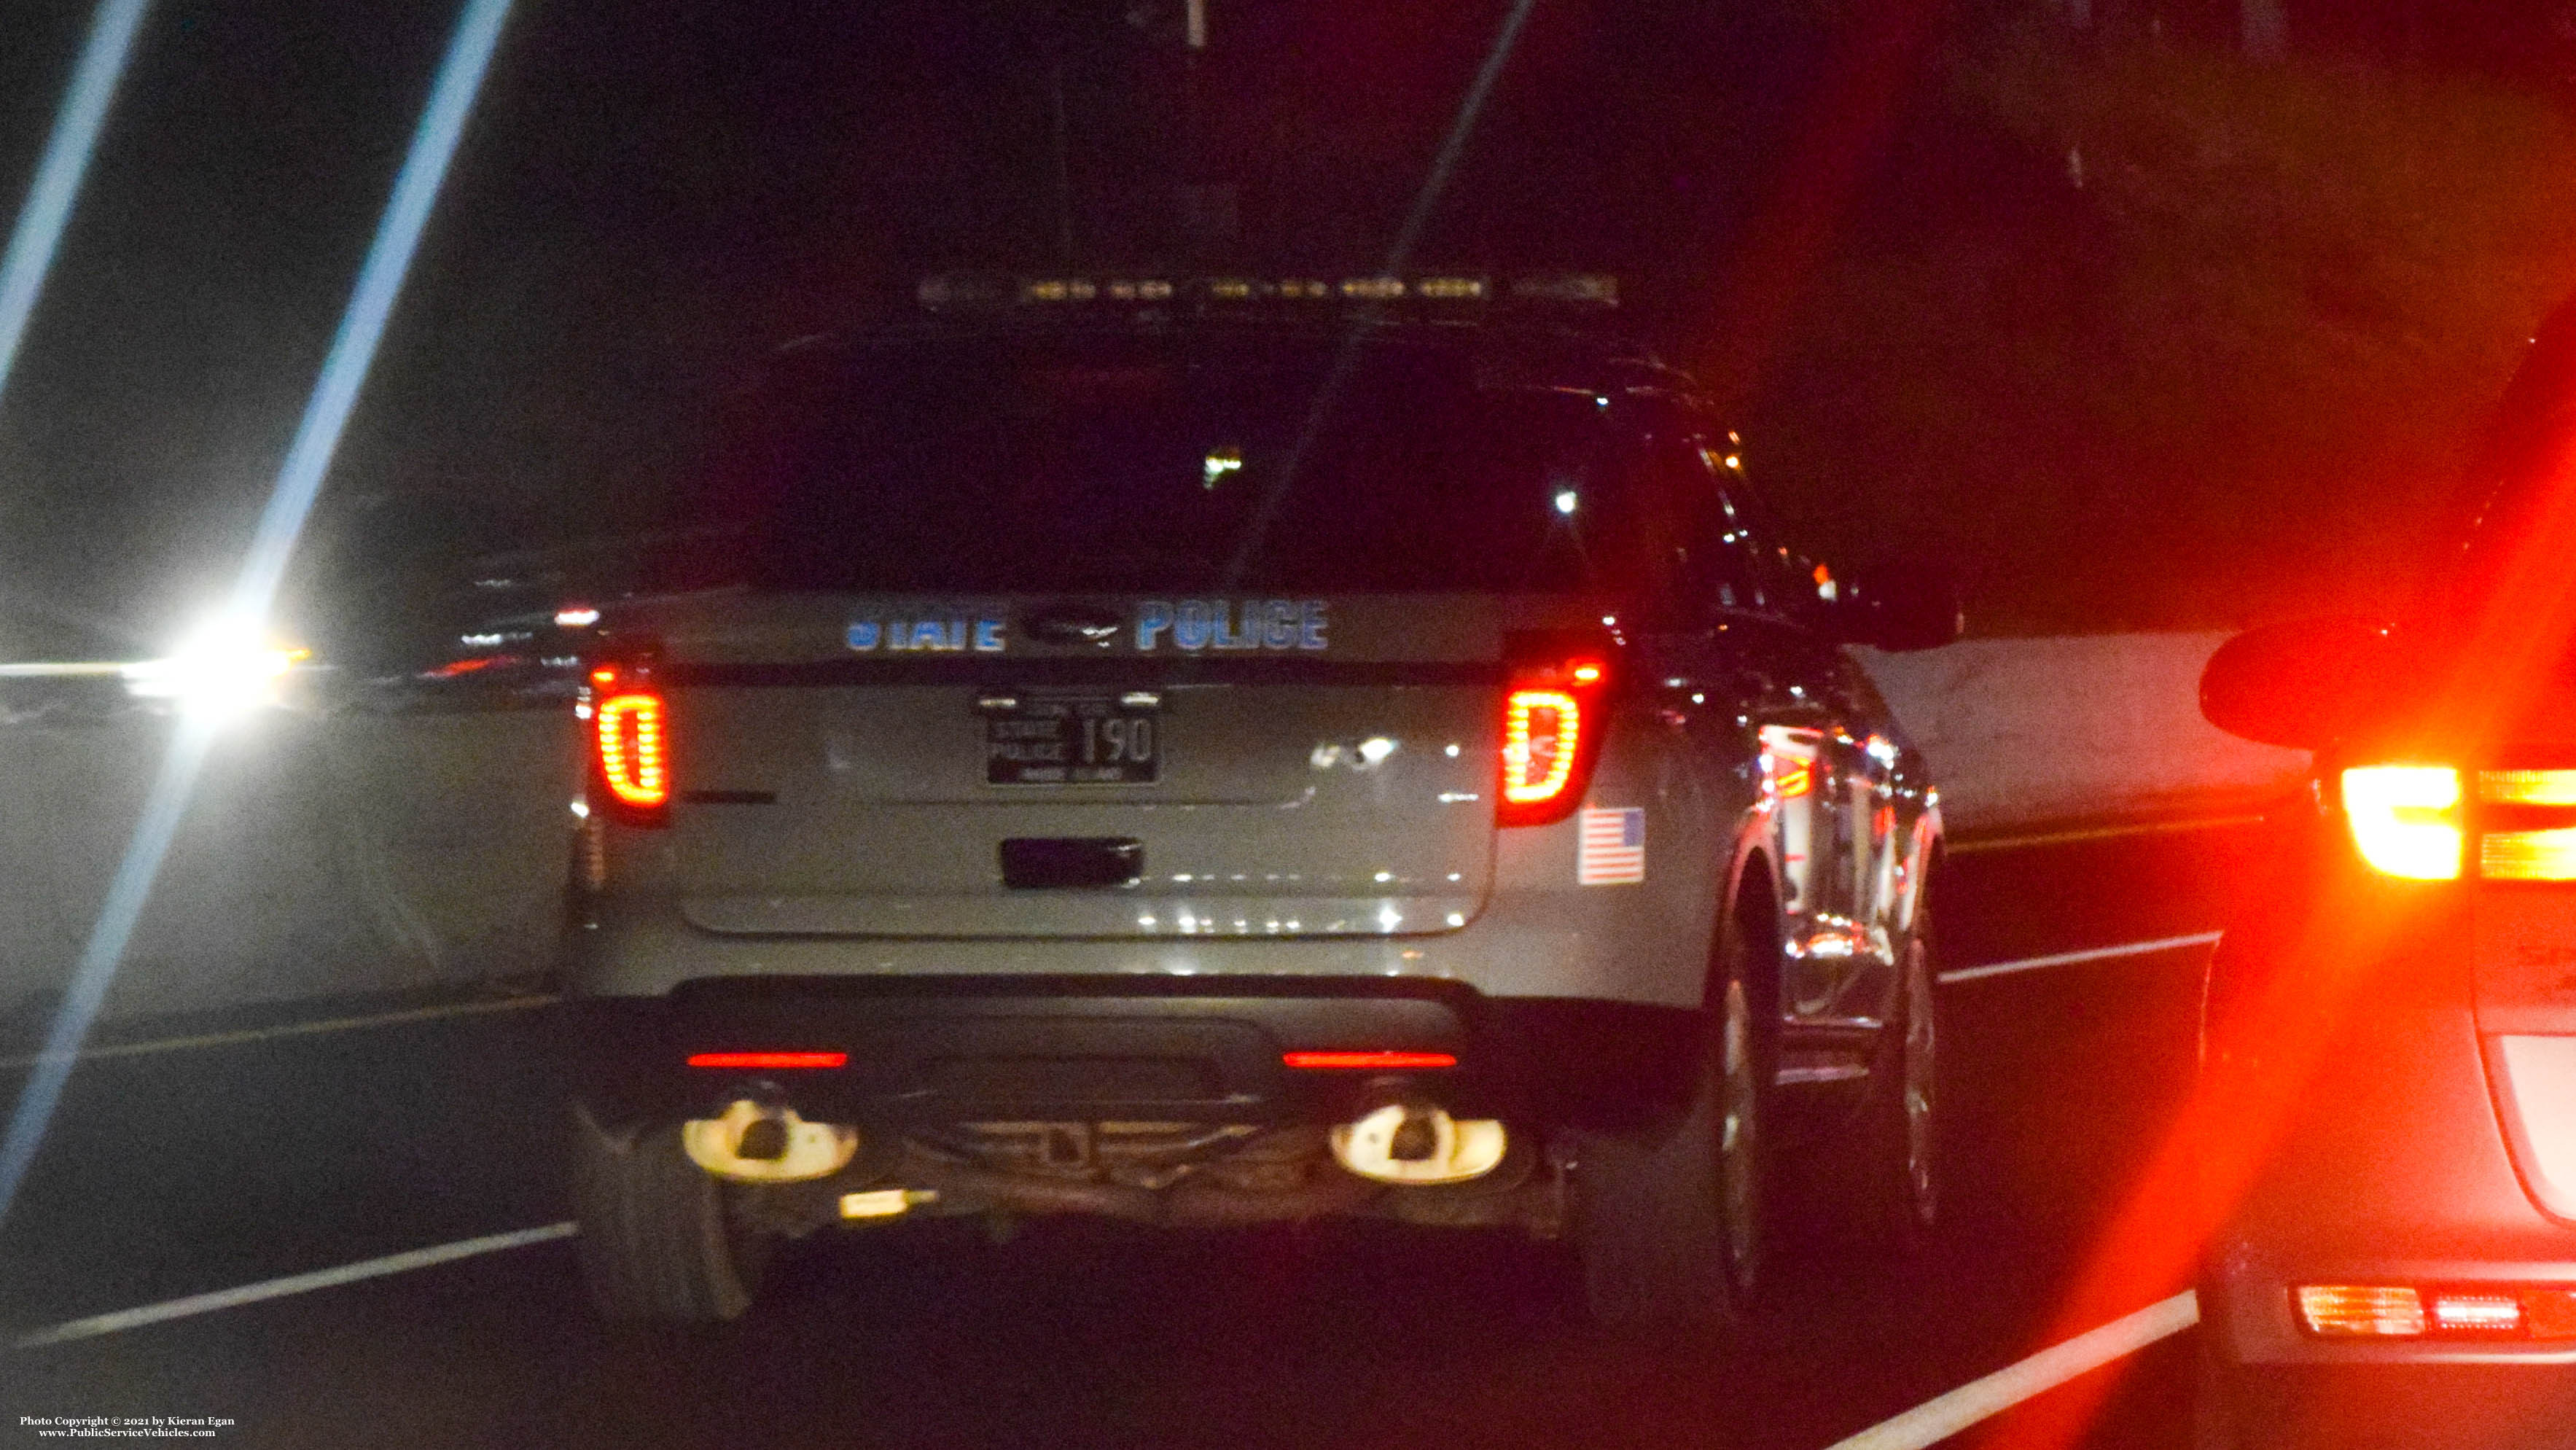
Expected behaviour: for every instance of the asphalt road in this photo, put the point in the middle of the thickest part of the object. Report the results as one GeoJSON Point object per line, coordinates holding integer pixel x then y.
{"type": "Point", "coordinates": [177, 1173]}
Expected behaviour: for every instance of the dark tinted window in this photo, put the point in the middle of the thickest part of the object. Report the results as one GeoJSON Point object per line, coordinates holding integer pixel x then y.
{"type": "Point", "coordinates": [2516, 494]}
{"type": "Point", "coordinates": [1718, 549]}
{"type": "Point", "coordinates": [1060, 465]}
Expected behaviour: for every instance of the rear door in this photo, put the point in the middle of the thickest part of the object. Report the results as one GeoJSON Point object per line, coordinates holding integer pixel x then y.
{"type": "Point", "coordinates": [1742, 642]}
{"type": "Point", "coordinates": [1327, 769]}
{"type": "Point", "coordinates": [1124, 636]}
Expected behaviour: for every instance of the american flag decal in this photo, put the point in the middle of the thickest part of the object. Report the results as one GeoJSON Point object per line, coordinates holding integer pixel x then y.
{"type": "Point", "coordinates": [1612, 849]}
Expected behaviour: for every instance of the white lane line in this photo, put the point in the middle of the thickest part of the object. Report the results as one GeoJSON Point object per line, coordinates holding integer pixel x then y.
{"type": "Point", "coordinates": [290, 1029]}
{"type": "Point", "coordinates": [124, 1319]}
{"type": "Point", "coordinates": [2094, 954]}
{"type": "Point", "coordinates": [1937, 1420]}
{"type": "Point", "coordinates": [2097, 833]}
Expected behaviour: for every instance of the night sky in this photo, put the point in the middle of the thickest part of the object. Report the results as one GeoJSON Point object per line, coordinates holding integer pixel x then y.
{"type": "Point", "coordinates": [651, 197]}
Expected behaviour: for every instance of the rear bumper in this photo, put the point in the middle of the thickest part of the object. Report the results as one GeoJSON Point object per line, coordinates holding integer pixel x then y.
{"type": "Point", "coordinates": [2414, 1406]}
{"type": "Point", "coordinates": [1588, 942]}
{"type": "Point", "coordinates": [2393, 1172]}
{"type": "Point", "coordinates": [2388, 1165]}
{"type": "Point", "coordinates": [930, 1049]}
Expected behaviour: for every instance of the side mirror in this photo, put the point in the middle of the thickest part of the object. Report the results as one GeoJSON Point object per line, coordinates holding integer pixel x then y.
{"type": "Point", "coordinates": [1903, 605]}
{"type": "Point", "coordinates": [2299, 683]}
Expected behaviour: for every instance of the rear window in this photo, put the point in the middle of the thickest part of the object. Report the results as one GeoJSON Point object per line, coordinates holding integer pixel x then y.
{"type": "Point", "coordinates": [1126, 463]}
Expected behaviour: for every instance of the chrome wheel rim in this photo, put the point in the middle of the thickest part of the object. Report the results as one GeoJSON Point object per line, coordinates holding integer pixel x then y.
{"type": "Point", "coordinates": [1922, 1183]}
{"type": "Point", "coordinates": [1738, 1134]}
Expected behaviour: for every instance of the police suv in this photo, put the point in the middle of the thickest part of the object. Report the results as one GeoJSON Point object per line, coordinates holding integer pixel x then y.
{"type": "Point", "coordinates": [1237, 751]}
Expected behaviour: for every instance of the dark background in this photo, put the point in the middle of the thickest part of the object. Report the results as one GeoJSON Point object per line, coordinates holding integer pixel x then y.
{"type": "Point", "coordinates": [2138, 325]}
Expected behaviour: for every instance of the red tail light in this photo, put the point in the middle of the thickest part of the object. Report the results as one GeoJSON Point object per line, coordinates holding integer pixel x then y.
{"type": "Point", "coordinates": [2531, 827]}
{"type": "Point", "coordinates": [2412, 821]}
{"type": "Point", "coordinates": [630, 735]}
{"type": "Point", "coordinates": [1555, 706]}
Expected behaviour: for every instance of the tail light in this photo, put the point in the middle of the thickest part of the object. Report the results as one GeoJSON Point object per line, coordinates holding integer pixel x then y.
{"type": "Point", "coordinates": [2412, 1311]}
{"type": "Point", "coordinates": [630, 738]}
{"type": "Point", "coordinates": [2415, 821]}
{"type": "Point", "coordinates": [2529, 825]}
{"type": "Point", "coordinates": [2406, 819]}
{"type": "Point", "coordinates": [1555, 708]}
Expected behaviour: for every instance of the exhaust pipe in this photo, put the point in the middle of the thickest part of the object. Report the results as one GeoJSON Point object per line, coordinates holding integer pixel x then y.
{"type": "Point", "coordinates": [1417, 1144]}
{"type": "Point", "coordinates": [752, 1142]}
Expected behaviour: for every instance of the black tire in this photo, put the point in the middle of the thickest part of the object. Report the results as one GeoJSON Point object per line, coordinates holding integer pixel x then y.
{"type": "Point", "coordinates": [1671, 1225]}
{"type": "Point", "coordinates": [657, 1246]}
{"type": "Point", "coordinates": [1899, 1203]}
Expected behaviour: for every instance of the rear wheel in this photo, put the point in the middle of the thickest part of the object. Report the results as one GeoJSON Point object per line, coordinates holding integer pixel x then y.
{"type": "Point", "coordinates": [657, 1245]}
{"type": "Point", "coordinates": [1670, 1225]}
{"type": "Point", "coordinates": [1900, 1191]}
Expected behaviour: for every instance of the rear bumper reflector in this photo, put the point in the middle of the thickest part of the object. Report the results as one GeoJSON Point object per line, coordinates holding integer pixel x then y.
{"type": "Point", "coordinates": [1382, 1061]}
{"type": "Point", "coordinates": [2406, 1311]}
{"type": "Point", "coordinates": [763, 1061]}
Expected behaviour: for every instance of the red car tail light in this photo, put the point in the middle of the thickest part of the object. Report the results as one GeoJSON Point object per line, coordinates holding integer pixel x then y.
{"type": "Point", "coordinates": [2530, 830]}
{"type": "Point", "coordinates": [2527, 787]}
{"type": "Point", "coordinates": [630, 739]}
{"type": "Point", "coordinates": [2355, 1311]}
{"type": "Point", "coordinates": [2455, 1313]}
{"type": "Point", "coordinates": [2408, 1311]}
{"type": "Point", "coordinates": [1555, 709]}
{"type": "Point", "coordinates": [2416, 821]}
{"type": "Point", "coordinates": [2406, 819]}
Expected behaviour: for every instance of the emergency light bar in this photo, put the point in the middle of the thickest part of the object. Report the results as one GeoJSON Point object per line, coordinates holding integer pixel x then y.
{"type": "Point", "coordinates": [984, 291]}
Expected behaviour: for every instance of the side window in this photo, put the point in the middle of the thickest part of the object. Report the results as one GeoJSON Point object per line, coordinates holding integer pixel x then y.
{"type": "Point", "coordinates": [1780, 577]}
{"type": "Point", "coordinates": [1673, 516]}
{"type": "Point", "coordinates": [1720, 558]}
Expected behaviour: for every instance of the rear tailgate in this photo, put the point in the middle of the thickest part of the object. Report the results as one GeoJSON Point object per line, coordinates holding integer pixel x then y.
{"type": "Point", "coordinates": [2521, 852]}
{"type": "Point", "coordinates": [1101, 766]}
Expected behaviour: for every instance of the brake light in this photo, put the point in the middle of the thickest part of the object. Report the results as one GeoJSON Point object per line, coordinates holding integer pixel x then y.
{"type": "Point", "coordinates": [2361, 1311]}
{"type": "Point", "coordinates": [2527, 855]}
{"type": "Point", "coordinates": [1553, 714]}
{"type": "Point", "coordinates": [2406, 819]}
{"type": "Point", "coordinates": [2527, 787]}
{"type": "Point", "coordinates": [630, 749]}
{"type": "Point", "coordinates": [2411, 821]}
{"type": "Point", "coordinates": [630, 736]}
{"type": "Point", "coordinates": [2542, 806]}
{"type": "Point", "coordinates": [2410, 1311]}
{"type": "Point", "coordinates": [1542, 730]}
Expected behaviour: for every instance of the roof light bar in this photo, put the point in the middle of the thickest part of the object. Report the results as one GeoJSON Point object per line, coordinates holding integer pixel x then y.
{"type": "Point", "coordinates": [969, 291]}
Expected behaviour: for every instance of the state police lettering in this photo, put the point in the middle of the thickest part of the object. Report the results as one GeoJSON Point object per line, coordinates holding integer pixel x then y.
{"type": "Point", "coordinates": [1229, 624]}
{"type": "Point", "coordinates": [979, 633]}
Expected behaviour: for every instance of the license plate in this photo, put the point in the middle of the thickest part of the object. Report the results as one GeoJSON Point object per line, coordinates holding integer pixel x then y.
{"type": "Point", "coordinates": [1071, 742]}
